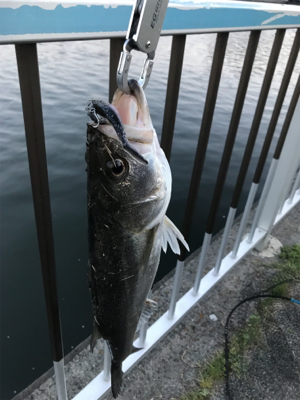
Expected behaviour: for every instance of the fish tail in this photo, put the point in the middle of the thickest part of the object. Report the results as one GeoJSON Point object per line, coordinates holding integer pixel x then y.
{"type": "Point", "coordinates": [116, 377]}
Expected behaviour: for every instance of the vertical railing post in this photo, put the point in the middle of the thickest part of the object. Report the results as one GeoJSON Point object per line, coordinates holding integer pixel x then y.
{"type": "Point", "coordinates": [285, 172]}
{"type": "Point", "coordinates": [106, 363]}
{"type": "Point", "coordinates": [210, 102]}
{"type": "Point", "coordinates": [143, 334]}
{"type": "Point", "coordinates": [176, 287]}
{"type": "Point", "coordinates": [175, 69]}
{"type": "Point", "coordinates": [229, 144]}
{"type": "Point", "coordinates": [295, 188]}
{"type": "Point", "coordinates": [115, 49]}
{"type": "Point", "coordinates": [34, 129]}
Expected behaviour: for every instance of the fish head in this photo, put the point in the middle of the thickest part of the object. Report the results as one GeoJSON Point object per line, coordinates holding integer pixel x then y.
{"type": "Point", "coordinates": [133, 193]}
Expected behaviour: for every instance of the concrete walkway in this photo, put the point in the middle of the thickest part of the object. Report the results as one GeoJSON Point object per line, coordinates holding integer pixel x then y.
{"type": "Point", "coordinates": [172, 368]}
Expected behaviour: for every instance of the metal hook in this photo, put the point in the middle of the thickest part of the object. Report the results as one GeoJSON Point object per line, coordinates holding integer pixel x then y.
{"type": "Point", "coordinates": [92, 113]}
{"type": "Point", "coordinates": [98, 121]}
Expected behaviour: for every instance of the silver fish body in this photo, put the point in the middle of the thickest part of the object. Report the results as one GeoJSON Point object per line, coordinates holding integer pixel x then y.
{"type": "Point", "coordinates": [127, 202]}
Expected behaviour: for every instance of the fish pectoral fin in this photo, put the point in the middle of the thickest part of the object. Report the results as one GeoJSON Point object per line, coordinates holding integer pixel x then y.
{"type": "Point", "coordinates": [95, 336]}
{"type": "Point", "coordinates": [171, 235]}
{"type": "Point", "coordinates": [148, 309]}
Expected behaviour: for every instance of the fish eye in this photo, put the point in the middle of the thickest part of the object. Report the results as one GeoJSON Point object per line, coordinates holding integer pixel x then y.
{"type": "Point", "coordinates": [117, 167]}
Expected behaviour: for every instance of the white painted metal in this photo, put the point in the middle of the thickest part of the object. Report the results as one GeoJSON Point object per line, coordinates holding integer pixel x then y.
{"type": "Point", "coordinates": [202, 260]}
{"type": "Point", "coordinates": [176, 287]}
{"type": "Point", "coordinates": [263, 197]}
{"type": "Point", "coordinates": [284, 196]}
{"type": "Point", "coordinates": [287, 206]}
{"type": "Point", "coordinates": [98, 387]}
{"type": "Point", "coordinates": [285, 172]}
{"type": "Point", "coordinates": [144, 327]}
{"type": "Point", "coordinates": [106, 363]}
{"type": "Point", "coordinates": [295, 187]}
{"type": "Point", "coordinates": [224, 241]}
{"type": "Point", "coordinates": [288, 189]}
{"type": "Point", "coordinates": [143, 334]}
{"type": "Point", "coordinates": [60, 380]}
{"type": "Point", "coordinates": [244, 220]}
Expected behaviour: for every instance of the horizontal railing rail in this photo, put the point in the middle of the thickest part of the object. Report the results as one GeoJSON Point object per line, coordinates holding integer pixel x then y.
{"type": "Point", "coordinates": [285, 160]}
{"type": "Point", "coordinates": [52, 20]}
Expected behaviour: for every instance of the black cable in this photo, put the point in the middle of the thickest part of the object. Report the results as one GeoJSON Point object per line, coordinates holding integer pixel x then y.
{"type": "Point", "coordinates": [293, 280]}
{"type": "Point", "coordinates": [226, 346]}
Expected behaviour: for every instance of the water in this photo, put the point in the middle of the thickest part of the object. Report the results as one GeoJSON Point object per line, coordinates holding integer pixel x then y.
{"type": "Point", "coordinates": [71, 73]}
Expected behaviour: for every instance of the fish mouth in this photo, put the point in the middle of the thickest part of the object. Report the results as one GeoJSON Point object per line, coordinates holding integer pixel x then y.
{"type": "Point", "coordinates": [134, 113]}
{"type": "Point", "coordinates": [132, 110]}
{"type": "Point", "coordinates": [100, 112]}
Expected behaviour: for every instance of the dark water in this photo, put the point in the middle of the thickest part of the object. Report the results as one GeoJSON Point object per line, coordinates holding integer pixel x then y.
{"type": "Point", "coordinates": [71, 73]}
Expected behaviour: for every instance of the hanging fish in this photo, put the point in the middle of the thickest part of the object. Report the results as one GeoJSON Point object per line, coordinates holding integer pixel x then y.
{"type": "Point", "coordinates": [129, 190]}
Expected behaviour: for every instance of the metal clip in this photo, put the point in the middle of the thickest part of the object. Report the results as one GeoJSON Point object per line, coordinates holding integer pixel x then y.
{"type": "Point", "coordinates": [143, 34]}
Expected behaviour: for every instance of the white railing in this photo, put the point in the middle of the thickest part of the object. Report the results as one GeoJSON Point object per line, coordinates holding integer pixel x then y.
{"type": "Point", "coordinates": [53, 20]}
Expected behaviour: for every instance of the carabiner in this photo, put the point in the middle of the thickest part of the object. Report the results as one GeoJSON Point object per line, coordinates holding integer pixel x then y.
{"type": "Point", "coordinates": [124, 65]}
{"type": "Point", "coordinates": [143, 34]}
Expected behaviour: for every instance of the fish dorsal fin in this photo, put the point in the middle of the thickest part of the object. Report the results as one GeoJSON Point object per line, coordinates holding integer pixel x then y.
{"type": "Point", "coordinates": [170, 234]}
{"type": "Point", "coordinates": [147, 311]}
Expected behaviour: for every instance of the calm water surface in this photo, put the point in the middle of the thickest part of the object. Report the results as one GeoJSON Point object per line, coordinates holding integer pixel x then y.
{"type": "Point", "coordinates": [72, 73]}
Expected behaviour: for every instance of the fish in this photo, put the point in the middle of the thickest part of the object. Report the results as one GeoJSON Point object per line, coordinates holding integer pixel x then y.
{"type": "Point", "coordinates": [129, 189]}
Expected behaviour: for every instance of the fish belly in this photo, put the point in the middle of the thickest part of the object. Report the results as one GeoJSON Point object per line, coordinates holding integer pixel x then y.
{"type": "Point", "coordinates": [121, 275]}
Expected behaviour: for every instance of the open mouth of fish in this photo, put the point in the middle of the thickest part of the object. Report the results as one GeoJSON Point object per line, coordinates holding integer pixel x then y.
{"type": "Point", "coordinates": [127, 118]}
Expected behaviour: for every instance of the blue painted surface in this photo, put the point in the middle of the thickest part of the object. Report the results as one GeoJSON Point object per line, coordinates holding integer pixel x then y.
{"type": "Point", "coordinates": [80, 19]}
{"type": "Point", "coordinates": [33, 19]}
{"type": "Point", "coordinates": [221, 18]}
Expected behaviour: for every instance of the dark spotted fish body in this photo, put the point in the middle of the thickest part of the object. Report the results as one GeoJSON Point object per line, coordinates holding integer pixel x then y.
{"type": "Point", "coordinates": [129, 189]}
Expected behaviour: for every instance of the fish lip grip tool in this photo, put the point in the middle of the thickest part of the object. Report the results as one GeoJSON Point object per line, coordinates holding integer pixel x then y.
{"type": "Point", "coordinates": [143, 34]}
